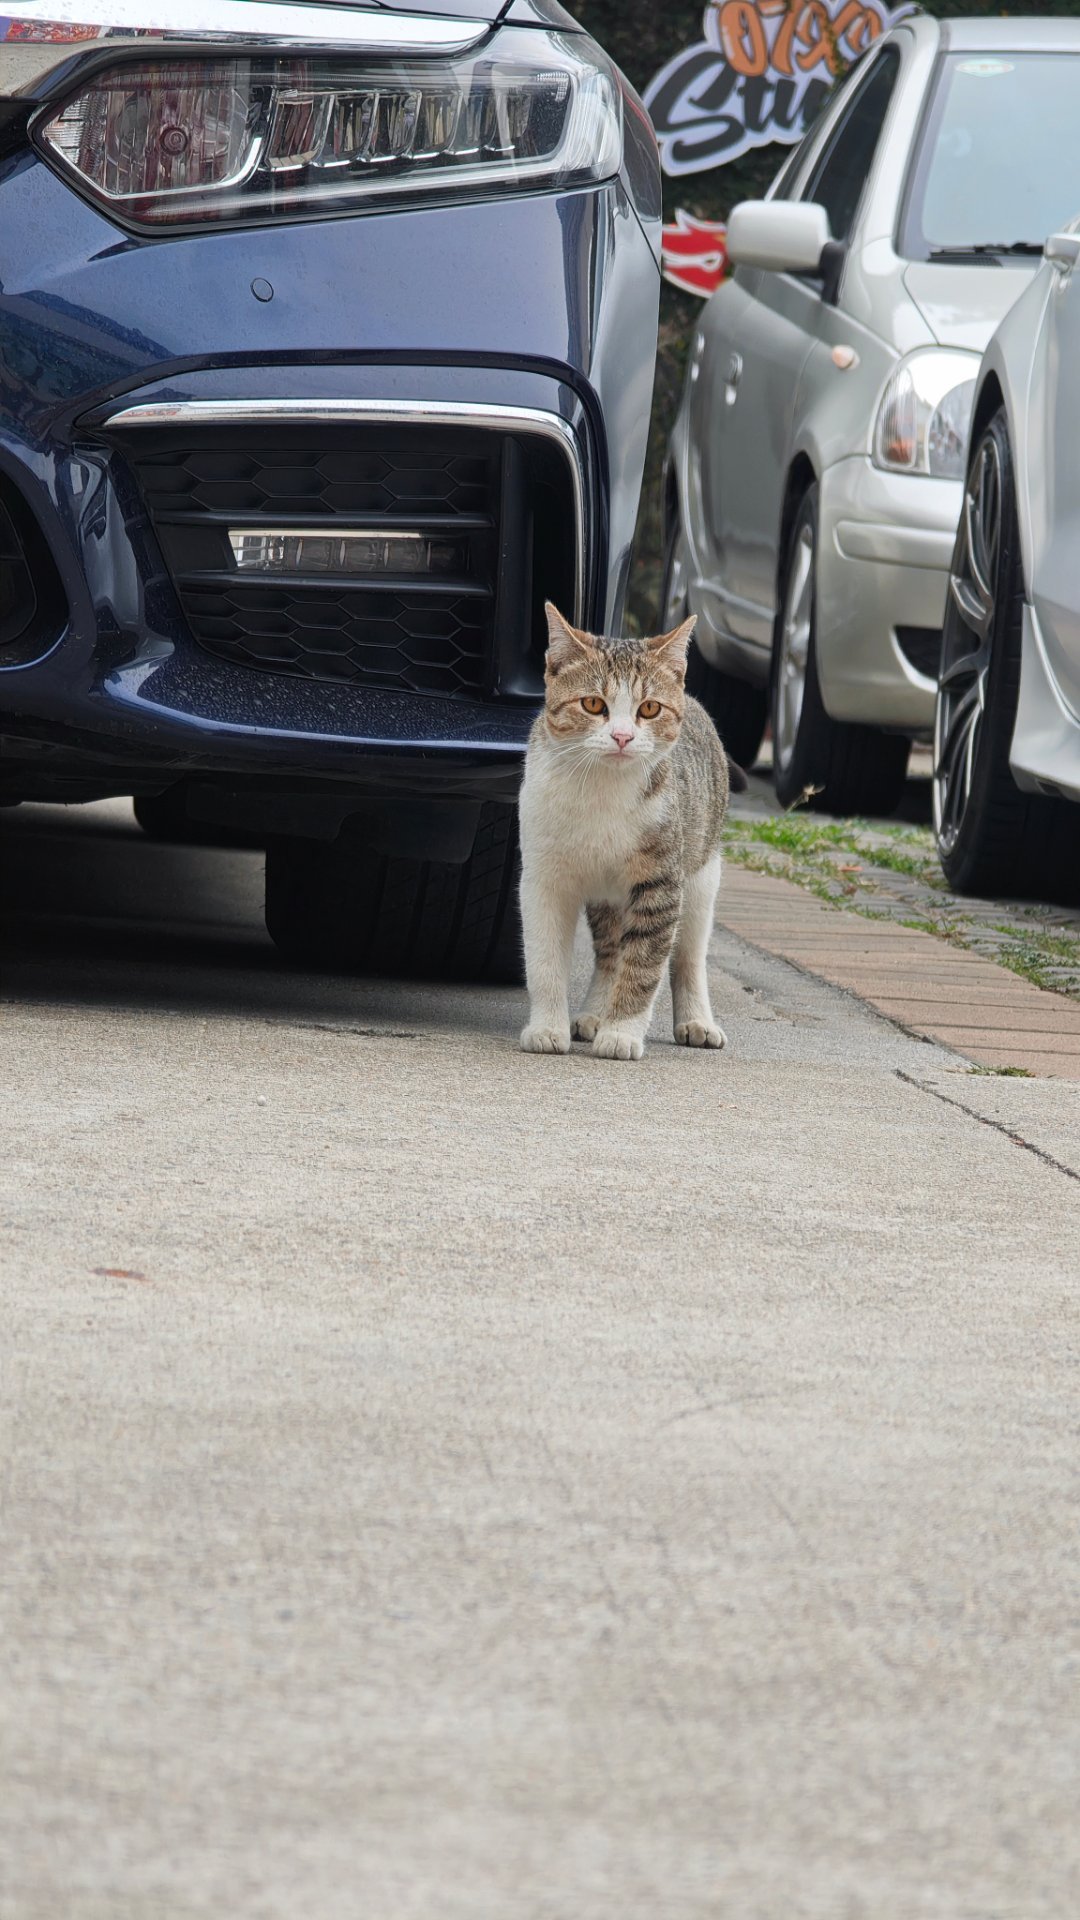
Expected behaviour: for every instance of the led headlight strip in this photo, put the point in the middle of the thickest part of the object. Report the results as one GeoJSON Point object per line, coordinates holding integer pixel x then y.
{"type": "Point", "coordinates": [186, 142]}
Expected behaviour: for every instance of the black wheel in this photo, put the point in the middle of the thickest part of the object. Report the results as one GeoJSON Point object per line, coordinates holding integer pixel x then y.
{"type": "Point", "coordinates": [991, 837]}
{"type": "Point", "coordinates": [344, 908]}
{"type": "Point", "coordinates": [852, 769]}
{"type": "Point", "coordinates": [738, 710]}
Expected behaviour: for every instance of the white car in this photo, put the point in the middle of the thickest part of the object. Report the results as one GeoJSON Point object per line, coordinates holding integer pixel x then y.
{"type": "Point", "coordinates": [817, 464]}
{"type": "Point", "coordinates": [1007, 732]}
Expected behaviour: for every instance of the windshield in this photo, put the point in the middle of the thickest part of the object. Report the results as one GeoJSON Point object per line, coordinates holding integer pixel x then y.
{"type": "Point", "coordinates": [999, 161]}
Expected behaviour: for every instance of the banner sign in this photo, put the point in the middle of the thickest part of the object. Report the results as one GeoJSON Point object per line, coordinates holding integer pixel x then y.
{"type": "Point", "coordinates": [695, 254]}
{"type": "Point", "coordinates": [759, 75]}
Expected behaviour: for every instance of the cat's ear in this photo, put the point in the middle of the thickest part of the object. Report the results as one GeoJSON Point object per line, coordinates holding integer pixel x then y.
{"type": "Point", "coordinates": [673, 645]}
{"type": "Point", "coordinates": [565, 643]}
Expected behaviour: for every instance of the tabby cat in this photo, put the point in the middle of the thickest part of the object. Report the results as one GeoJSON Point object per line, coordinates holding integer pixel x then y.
{"type": "Point", "coordinates": [623, 802]}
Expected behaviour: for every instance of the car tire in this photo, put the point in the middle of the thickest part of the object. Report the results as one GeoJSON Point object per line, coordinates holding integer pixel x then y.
{"type": "Point", "coordinates": [992, 838]}
{"type": "Point", "coordinates": [738, 710]}
{"type": "Point", "coordinates": [847, 768]}
{"type": "Point", "coordinates": [342, 908]}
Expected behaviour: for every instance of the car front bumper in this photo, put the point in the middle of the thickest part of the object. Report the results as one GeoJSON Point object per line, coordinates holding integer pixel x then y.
{"type": "Point", "coordinates": [885, 548]}
{"type": "Point", "coordinates": [524, 327]}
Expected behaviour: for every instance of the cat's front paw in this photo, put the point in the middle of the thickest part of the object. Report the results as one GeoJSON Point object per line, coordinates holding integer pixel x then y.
{"type": "Point", "coordinates": [611, 1043]}
{"type": "Point", "coordinates": [545, 1040]}
{"type": "Point", "coordinates": [586, 1026]}
{"type": "Point", "coordinates": [700, 1033]}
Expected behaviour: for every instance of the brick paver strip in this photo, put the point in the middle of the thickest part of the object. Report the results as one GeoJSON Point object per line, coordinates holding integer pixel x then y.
{"type": "Point", "coordinates": [959, 999]}
{"type": "Point", "coordinates": [961, 1038]}
{"type": "Point", "coordinates": [1001, 1017]}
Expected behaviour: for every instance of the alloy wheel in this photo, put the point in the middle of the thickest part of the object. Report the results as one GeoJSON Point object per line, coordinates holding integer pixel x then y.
{"type": "Point", "coordinates": [966, 644]}
{"type": "Point", "coordinates": [794, 651]}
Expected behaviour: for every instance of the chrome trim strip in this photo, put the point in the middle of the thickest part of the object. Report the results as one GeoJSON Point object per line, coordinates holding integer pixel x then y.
{"type": "Point", "coordinates": [330, 531]}
{"type": "Point", "coordinates": [533, 420]}
{"type": "Point", "coordinates": [61, 29]}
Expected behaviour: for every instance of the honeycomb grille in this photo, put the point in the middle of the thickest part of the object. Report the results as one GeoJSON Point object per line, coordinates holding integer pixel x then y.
{"type": "Point", "coordinates": [415, 643]}
{"type": "Point", "coordinates": [302, 481]}
{"type": "Point", "coordinates": [429, 634]}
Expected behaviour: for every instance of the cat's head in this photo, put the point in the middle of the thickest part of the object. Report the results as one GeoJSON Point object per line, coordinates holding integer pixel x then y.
{"type": "Point", "coordinates": [615, 700]}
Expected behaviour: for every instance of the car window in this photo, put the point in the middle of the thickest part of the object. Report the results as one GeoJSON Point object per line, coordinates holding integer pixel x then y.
{"type": "Point", "coordinates": [785, 180]}
{"type": "Point", "coordinates": [817, 135]}
{"type": "Point", "coordinates": [999, 160]}
{"type": "Point", "coordinates": [841, 173]}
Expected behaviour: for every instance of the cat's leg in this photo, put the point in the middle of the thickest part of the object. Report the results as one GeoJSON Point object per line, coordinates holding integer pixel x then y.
{"type": "Point", "coordinates": [549, 917]}
{"type": "Point", "coordinates": [605, 925]}
{"type": "Point", "coordinates": [649, 920]}
{"type": "Point", "coordinates": [694, 1023]}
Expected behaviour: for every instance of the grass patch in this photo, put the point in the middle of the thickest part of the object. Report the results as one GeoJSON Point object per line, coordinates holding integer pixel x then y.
{"type": "Point", "coordinates": [847, 863]}
{"type": "Point", "coordinates": [839, 861]}
{"type": "Point", "coordinates": [1040, 957]}
{"type": "Point", "coordinates": [947, 930]}
{"type": "Point", "coordinates": [906, 850]}
{"type": "Point", "coordinates": [811, 879]}
{"type": "Point", "coordinates": [1005, 1073]}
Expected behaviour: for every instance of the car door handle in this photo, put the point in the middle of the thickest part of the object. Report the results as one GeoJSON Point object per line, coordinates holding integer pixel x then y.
{"type": "Point", "coordinates": [734, 375]}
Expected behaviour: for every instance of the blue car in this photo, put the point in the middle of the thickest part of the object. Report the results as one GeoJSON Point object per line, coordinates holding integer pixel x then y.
{"type": "Point", "coordinates": [327, 337]}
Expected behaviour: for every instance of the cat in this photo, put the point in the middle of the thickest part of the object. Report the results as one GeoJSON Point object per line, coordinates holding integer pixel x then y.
{"type": "Point", "coordinates": [622, 807]}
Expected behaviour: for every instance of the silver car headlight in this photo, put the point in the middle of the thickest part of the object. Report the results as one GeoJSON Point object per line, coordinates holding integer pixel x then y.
{"type": "Point", "coordinates": [924, 418]}
{"type": "Point", "coordinates": [186, 142]}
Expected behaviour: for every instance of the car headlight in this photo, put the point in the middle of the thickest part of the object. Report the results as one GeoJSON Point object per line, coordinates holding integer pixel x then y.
{"type": "Point", "coordinates": [180, 143]}
{"type": "Point", "coordinates": [924, 418]}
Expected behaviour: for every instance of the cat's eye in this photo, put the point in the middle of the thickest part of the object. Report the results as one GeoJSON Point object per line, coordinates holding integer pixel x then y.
{"type": "Point", "coordinates": [648, 710]}
{"type": "Point", "coordinates": [592, 703]}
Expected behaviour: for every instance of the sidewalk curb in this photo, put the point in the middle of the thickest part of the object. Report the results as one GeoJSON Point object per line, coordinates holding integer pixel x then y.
{"type": "Point", "coordinates": [925, 986]}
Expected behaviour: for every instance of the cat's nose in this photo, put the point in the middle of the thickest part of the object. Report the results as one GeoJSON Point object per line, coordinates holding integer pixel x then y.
{"type": "Point", "coordinates": [622, 736]}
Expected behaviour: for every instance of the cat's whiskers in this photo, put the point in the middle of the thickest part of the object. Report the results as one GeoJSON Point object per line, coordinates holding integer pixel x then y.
{"type": "Point", "coordinates": [574, 754]}
{"type": "Point", "coordinates": [589, 761]}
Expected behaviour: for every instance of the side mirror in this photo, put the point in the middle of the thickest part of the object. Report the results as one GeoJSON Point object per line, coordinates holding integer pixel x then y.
{"type": "Point", "coordinates": [1063, 249]}
{"type": "Point", "coordinates": [783, 236]}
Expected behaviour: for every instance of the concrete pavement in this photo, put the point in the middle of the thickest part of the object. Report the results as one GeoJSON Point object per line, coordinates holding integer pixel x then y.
{"type": "Point", "coordinates": [445, 1483]}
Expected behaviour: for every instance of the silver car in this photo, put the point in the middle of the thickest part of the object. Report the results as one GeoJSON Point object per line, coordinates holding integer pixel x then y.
{"type": "Point", "coordinates": [1007, 733]}
{"type": "Point", "coordinates": [817, 464]}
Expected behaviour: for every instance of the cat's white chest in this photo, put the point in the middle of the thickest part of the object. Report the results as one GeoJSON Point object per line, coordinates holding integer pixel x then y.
{"type": "Point", "coordinates": [589, 833]}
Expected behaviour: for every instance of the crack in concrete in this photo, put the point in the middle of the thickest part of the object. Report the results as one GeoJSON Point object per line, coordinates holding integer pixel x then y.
{"type": "Point", "coordinates": [997, 1126]}
{"type": "Point", "coordinates": [341, 1027]}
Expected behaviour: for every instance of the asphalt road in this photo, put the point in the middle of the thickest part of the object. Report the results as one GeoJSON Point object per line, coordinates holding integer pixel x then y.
{"type": "Point", "coordinates": [443, 1484]}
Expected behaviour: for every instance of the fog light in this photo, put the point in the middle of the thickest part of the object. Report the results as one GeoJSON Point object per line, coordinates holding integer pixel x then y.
{"type": "Point", "coordinates": [291, 550]}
